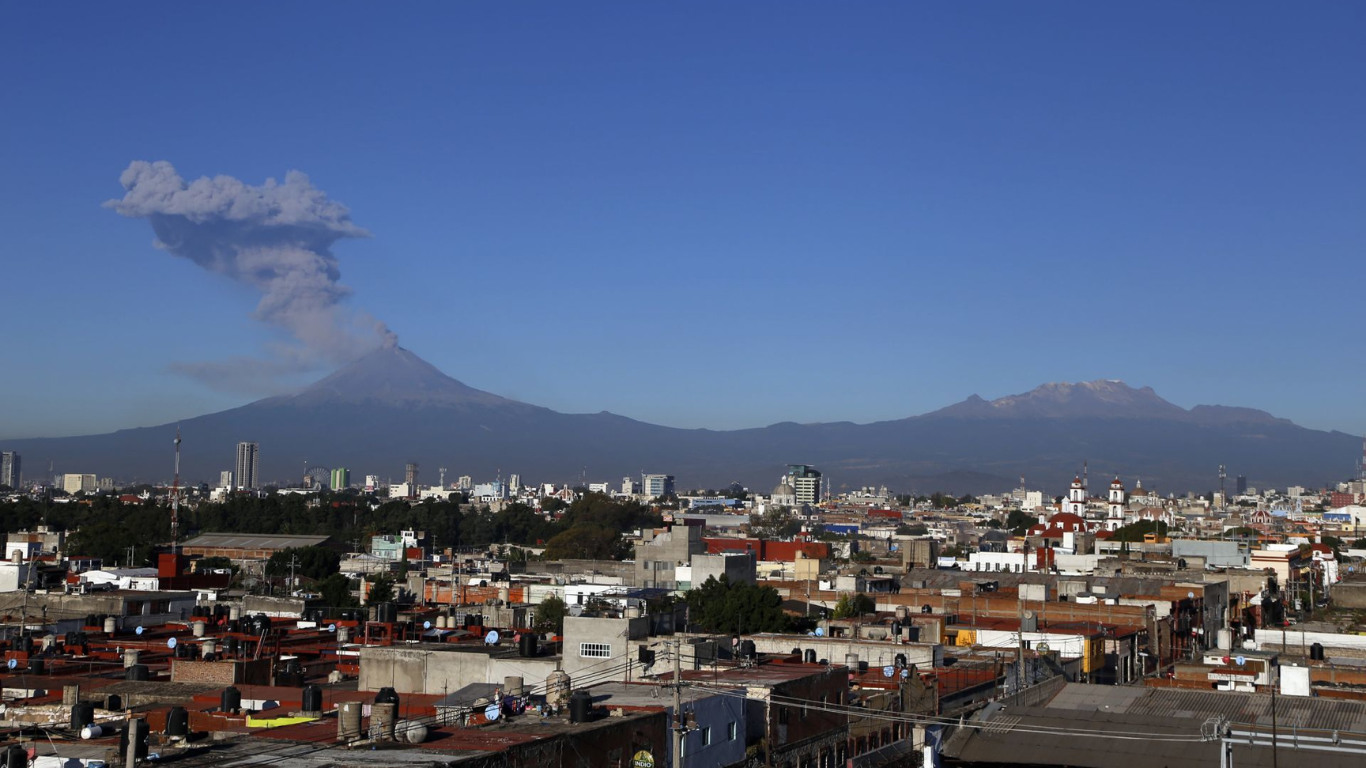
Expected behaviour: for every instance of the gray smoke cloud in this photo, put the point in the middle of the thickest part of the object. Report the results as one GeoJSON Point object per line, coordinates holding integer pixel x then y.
{"type": "Point", "coordinates": [276, 238]}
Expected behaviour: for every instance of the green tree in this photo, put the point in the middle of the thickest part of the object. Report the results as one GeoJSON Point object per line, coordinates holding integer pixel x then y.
{"type": "Point", "coordinates": [775, 523]}
{"type": "Point", "coordinates": [736, 607]}
{"type": "Point", "coordinates": [584, 542]}
{"type": "Point", "coordinates": [550, 615]}
{"type": "Point", "coordinates": [1018, 522]}
{"type": "Point", "coordinates": [381, 589]}
{"type": "Point", "coordinates": [1135, 531]}
{"type": "Point", "coordinates": [849, 606]}
{"type": "Point", "coordinates": [336, 591]}
{"type": "Point", "coordinates": [312, 563]}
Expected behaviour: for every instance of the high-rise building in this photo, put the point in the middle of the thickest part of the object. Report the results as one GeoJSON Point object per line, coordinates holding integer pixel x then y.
{"type": "Point", "coordinates": [806, 481]}
{"type": "Point", "coordinates": [73, 482]}
{"type": "Point", "coordinates": [10, 473]}
{"type": "Point", "coordinates": [656, 486]}
{"type": "Point", "coordinates": [371, 483]}
{"type": "Point", "coordinates": [225, 479]}
{"type": "Point", "coordinates": [464, 483]}
{"type": "Point", "coordinates": [341, 479]}
{"type": "Point", "coordinates": [248, 461]}
{"type": "Point", "coordinates": [514, 483]}
{"type": "Point", "coordinates": [410, 474]}
{"type": "Point", "coordinates": [1242, 484]}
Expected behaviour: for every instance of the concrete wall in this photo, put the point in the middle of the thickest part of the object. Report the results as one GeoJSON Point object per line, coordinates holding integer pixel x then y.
{"type": "Point", "coordinates": [431, 668]}
{"type": "Point", "coordinates": [618, 634]}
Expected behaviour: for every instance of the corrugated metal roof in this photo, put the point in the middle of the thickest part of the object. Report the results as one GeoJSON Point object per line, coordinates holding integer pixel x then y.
{"type": "Point", "coordinates": [253, 541]}
{"type": "Point", "coordinates": [1240, 708]}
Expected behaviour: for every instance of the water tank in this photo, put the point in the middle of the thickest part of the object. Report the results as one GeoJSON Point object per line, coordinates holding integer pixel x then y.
{"type": "Point", "coordinates": [348, 721]}
{"type": "Point", "coordinates": [387, 613]}
{"type": "Point", "coordinates": [110, 624]}
{"type": "Point", "coordinates": [810, 657]}
{"type": "Point", "coordinates": [137, 732]}
{"type": "Point", "coordinates": [24, 643]}
{"type": "Point", "coordinates": [901, 612]}
{"type": "Point", "coordinates": [896, 630]}
{"type": "Point", "coordinates": [512, 685]}
{"type": "Point", "coordinates": [71, 695]}
{"type": "Point", "coordinates": [113, 703]}
{"type": "Point", "coordinates": [178, 722]}
{"type": "Point", "coordinates": [197, 629]}
{"type": "Point", "coordinates": [82, 714]}
{"type": "Point", "coordinates": [206, 648]}
{"type": "Point", "coordinates": [230, 700]}
{"type": "Point", "coordinates": [343, 634]}
{"type": "Point", "coordinates": [901, 661]}
{"type": "Point", "coordinates": [1316, 652]}
{"type": "Point", "coordinates": [926, 609]}
{"type": "Point", "coordinates": [747, 650]}
{"type": "Point", "coordinates": [92, 732]}
{"type": "Point", "coordinates": [382, 719]}
{"type": "Point", "coordinates": [313, 698]}
{"type": "Point", "coordinates": [851, 661]}
{"type": "Point", "coordinates": [440, 621]}
{"type": "Point", "coordinates": [130, 657]}
{"type": "Point", "coordinates": [386, 696]}
{"type": "Point", "coordinates": [136, 672]}
{"type": "Point", "coordinates": [49, 641]}
{"type": "Point", "coordinates": [410, 731]}
{"type": "Point", "coordinates": [557, 688]}
{"type": "Point", "coordinates": [526, 646]}
{"type": "Point", "coordinates": [580, 707]}
{"type": "Point", "coordinates": [16, 757]}
{"type": "Point", "coordinates": [260, 623]}
{"type": "Point", "coordinates": [234, 613]}
{"type": "Point", "coordinates": [36, 666]}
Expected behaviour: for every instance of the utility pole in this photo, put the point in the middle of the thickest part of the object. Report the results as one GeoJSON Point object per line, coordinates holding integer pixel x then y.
{"type": "Point", "coordinates": [293, 561]}
{"type": "Point", "coordinates": [678, 704]}
{"type": "Point", "coordinates": [175, 501]}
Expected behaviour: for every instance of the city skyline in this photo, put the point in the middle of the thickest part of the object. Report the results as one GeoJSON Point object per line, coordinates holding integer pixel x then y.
{"type": "Point", "coordinates": [721, 219]}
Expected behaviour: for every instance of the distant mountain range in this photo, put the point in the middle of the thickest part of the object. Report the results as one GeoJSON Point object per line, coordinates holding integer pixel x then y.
{"type": "Point", "coordinates": [391, 406]}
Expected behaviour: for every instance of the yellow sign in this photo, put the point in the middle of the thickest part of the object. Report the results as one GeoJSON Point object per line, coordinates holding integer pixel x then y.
{"type": "Point", "coordinates": [643, 759]}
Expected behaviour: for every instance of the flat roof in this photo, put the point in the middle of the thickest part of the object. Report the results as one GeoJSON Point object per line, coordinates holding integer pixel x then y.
{"type": "Point", "coordinates": [253, 541]}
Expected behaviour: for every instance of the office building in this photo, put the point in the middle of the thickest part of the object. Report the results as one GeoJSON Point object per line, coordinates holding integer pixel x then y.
{"type": "Point", "coordinates": [805, 482]}
{"type": "Point", "coordinates": [656, 486]}
{"type": "Point", "coordinates": [1242, 484]}
{"type": "Point", "coordinates": [225, 479]}
{"type": "Point", "coordinates": [341, 479]}
{"type": "Point", "coordinates": [10, 469]}
{"type": "Point", "coordinates": [74, 483]}
{"type": "Point", "coordinates": [371, 483]}
{"type": "Point", "coordinates": [410, 474]}
{"type": "Point", "coordinates": [248, 462]}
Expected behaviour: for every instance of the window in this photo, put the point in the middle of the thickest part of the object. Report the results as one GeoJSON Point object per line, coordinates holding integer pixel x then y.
{"type": "Point", "coordinates": [706, 736]}
{"type": "Point", "coordinates": [732, 732]}
{"type": "Point", "coordinates": [595, 650]}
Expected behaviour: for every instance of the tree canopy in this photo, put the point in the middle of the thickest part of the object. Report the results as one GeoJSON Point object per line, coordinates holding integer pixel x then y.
{"type": "Point", "coordinates": [736, 607]}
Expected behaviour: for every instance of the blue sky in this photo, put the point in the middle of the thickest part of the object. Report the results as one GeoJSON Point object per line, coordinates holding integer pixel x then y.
{"type": "Point", "coordinates": [710, 214]}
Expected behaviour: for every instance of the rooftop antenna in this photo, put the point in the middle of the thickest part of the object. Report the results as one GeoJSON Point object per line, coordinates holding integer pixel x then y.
{"type": "Point", "coordinates": [1361, 473]}
{"type": "Point", "coordinates": [1223, 475]}
{"type": "Point", "coordinates": [1084, 481]}
{"type": "Point", "coordinates": [175, 497]}
{"type": "Point", "coordinates": [442, 472]}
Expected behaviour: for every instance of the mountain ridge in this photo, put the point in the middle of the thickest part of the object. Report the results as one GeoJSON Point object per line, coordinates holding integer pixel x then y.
{"type": "Point", "coordinates": [391, 406]}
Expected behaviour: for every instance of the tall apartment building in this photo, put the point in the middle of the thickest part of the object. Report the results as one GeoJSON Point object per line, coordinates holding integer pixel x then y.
{"type": "Point", "coordinates": [410, 474]}
{"type": "Point", "coordinates": [806, 481]}
{"type": "Point", "coordinates": [341, 479]}
{"type": "Point", "coordinates": [225, 479]}
{"type": "Point", "coordinates": [656, 486]}
{"type": "Point", "coordinates": [248, 460]}
{"type": "Point", "coordinates": [10, 469]}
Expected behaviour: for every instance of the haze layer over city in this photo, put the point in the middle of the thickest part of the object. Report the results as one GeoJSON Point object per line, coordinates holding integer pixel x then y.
{"type": "Point", "coordinates": [760, 384]}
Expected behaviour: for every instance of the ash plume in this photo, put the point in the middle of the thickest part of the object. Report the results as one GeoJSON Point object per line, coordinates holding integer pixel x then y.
{"type": "Point", "coordinates": [276, 238]}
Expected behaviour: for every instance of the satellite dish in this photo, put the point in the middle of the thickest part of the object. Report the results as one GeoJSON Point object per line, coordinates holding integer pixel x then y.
{"type": "Point", "coordinates": [1029, 614]}
{"type": "Point", "coordinates": [492, 637]}
{"type": "Point", "coordinates": [426, 625]}
{"type": "Point", "coordinates": [905, 673]}
{"type": "Point", "coordinates": [820, 632]}
{"type": "Point", "coordinates": [888, 671]}
{"type": "Point", "coordinates": [1241, 660]}
{"type": "Point", "coordinates": [576, 610]}
{"type": "Point", "coordinates": [1043, 648]}
{"type": "Point", "coordinates": [138, 631]}
{"type": "Point", "coordinates": [170, 643]}
{"type": "Point", "coordinates": [492, 712]}
{"type": "Point", "coordinates": [1190, 595]}
{"type": "Point", "coordinates": [331, 627]}
{"type": "Point", "coordinates": [13, 663]}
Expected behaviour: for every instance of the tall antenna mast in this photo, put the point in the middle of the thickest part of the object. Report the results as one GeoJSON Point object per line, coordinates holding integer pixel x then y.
{"type": "Point", "coordinates": [175, 497]}
{"type": "Point", "coordinates": [1223, 475]}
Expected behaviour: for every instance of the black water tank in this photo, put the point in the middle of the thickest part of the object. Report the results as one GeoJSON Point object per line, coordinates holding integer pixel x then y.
{"type": "Point", "coordinates": [926, 609]}
{"type": "Point", "coordinates": [36, 666]}
{"type": "Point", "coordinates": [136, 672]}
{"type": "Point", "coordinates": [178, 722]}
{"type": "Point", "coordinates": [230, 700]}
{"type": "Point", "coordinates": [901, 660]}
{"type": "Point", "coordinates": [16, 757]}
{"type": "Point", "coordinates": [137, 731]}
{"type": "Point", "coordinates": [747, 650]}
{"type": "Point", "coordinates": [294, 667]}
{"type": "Point", "coordinates": [24, 644]}
{"type": "Point", "coordinates": [580, 707]}
{"type": "Point", "coordinates": [260, 623]}
{"type": "Point", "coordinates": [896, 629]}
{"type": "Point", "coordinates": [810, 656]}
{"type": "Point", "coordinates": [1316, 652]}
{"type": "Point", "coordinates": [527, 645]}
{"type": "Point", "coordinates": [82, 714]}
{"type": "Point", "coordinates": [313, 698]}
{"type": "Point", "coordinates": [387, 613]}
{"type": "Point", "coordinates": [113, 703]}
{"type": "Point", "coordinates": [386, 696]}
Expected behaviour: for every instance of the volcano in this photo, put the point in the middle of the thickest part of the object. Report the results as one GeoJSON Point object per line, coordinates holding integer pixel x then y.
{"type": "Point", "coordinates": [391, 407]}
